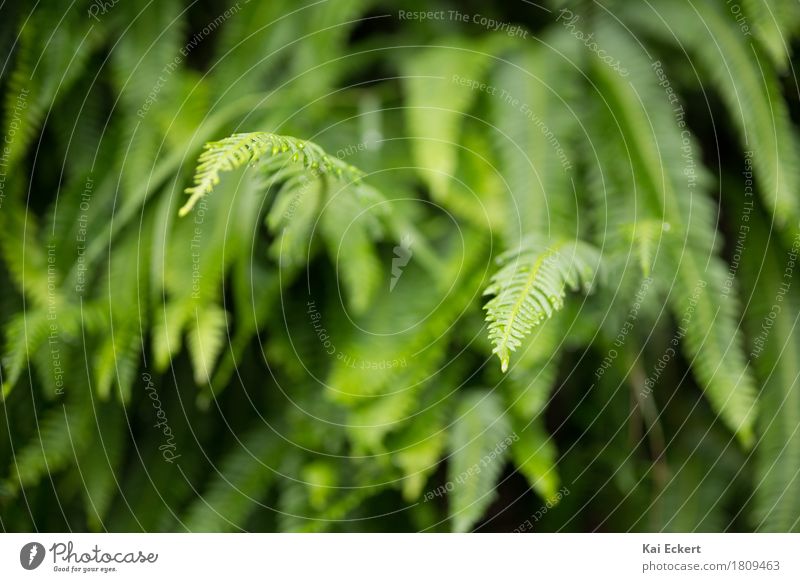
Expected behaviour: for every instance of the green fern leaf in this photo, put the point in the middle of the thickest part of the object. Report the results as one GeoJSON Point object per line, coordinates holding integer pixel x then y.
{"type": "Point", "coordinates": [535, 456]}
{"type": "Point", "coordinates": [775, 344]}
{"type": "Point", "coordinates": [655, 144]}
{"type": "Point", "coordinates": [775, 22]}
{"type": "Point", "coordinates": [480, 438]}
{"type": "Point", "coordinates": [536, 129]}
{"type": "Point", "coordinates": [25, 333]}
{"type": "Point", "coordinates": [750, 89]}
{"type": "Point", "coordinates": [235, 490]}
{"type": "Point", "coordinates": [350, 229]}
{"type": "Point", "coordinates": [207, 334]}
{"type": "Point", "coordinates": [436, 106]}
{"type": "Point", "coordinates": [248, 148]}
{"type": "Point", "coordinates": [63, 430]}
{"type": "Point", "coordinates": [530, 287]}
{"type": "Point", "coordinates": [100, 463]}
{"type": "Point", "coordinates": [168, 326]}
{"type": "Point", "coordinates": [526, 390]}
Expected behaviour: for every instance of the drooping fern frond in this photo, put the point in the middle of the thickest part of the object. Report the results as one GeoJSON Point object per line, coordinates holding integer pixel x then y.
{"type": "Point", "coordinates": [531, 285]}
{"type": "Point", "coordinates": [657, 148]}
{"type": "Point", "coordinates": [480, 438]}
{"type": "Point", "coordinates": [775, 23]}
{"type": "Point", "coordinates": [206, 340]}
{"type": "Point", "coordinates": [646, 236]}
{"type": "Point", "coordinates": [233, 493]}
{"type": "Point", "coordinates": [534, 137]}
{"type": "Point", "coordinates": [774, 354]}
{"type": "Point", "coordinates": [327, 495]}
{"type": "Point", "coordinates": [62, 430]}
{"type": "Point", "coordinates": [25, 333]}
{"type": "Point", "coordinates": [350, 233]}
{"type": "Point", "coordinates": [526, 390]}
{"type": "Point", "coordinates": [248, 148]}
{"type": "Point", "coordinates": [438, 104]}
{"type": "Point", "coordinates": [419, 445]}
{"type": "Point", "coordinates": [54, 47]}
{"type": "Point", "coordinates": [100, 462]}
{"type": "Point", "coordinates": [747, 82]}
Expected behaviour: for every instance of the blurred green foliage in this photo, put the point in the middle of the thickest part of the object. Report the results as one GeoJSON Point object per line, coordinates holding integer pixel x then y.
{"type": "Point", "coordinates": [513, 257]}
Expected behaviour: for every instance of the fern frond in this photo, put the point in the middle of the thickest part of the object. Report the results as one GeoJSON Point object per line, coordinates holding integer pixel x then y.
{"type": "Point", "coordinates": [235, 490]}
{"type": "Point", "coordinates": [152, 40]}
{"type": "Point", "coordinates": [325, 32]}
{"type": "Point", "coordinates": [248, 148]}
{"type": "Point", "coordinates": [535, 134]}
{"type": "Point", "coordinates": [25, 333]}
{"type": "Point", "coordinates": [168, 327]}
{"type": "Point", "coordinates": [353, 377]}
{"type": "Point", "coordinates": [480, 438]}
{"type": "Point", "coordinates": [207, 334]}
{"type": "Point", "coordinates": [535, 455]}
{"type": "Point", "coordinates": [255, 290]}
{"type": "Point", "coordinates": [350, 231]}
{"type": "Point", "coordinates": [100, 463]}
{"type": "Point", "coordinates": [750, 89]}
{"type": "Point", "coordinates": [654, 144]}
{"type": "Point", "coordinates": [294, 217]}
{"type": "Point", "coordinates": [646, 237]}
{"type": "Point", "coordinates": [252, 51]}
{"type": "Point", "coordinates": [311, 505]}
{"type": "Point", "coordinates": [63, 430]}
{"type": "Point", "coordinates": [530, 287]}
{"type": "Point", "coordinates": [31, 263]}
{"type": "Point", "coordinates": [774, 359]}
{"type": "Point", "coordinates": [436, 106]}
{"type": "Point", "coordinates": [117, 360]}
{"type": "Point", "coordinates": [55, 46]}
{"type": "Point", "coordinates": [419, 445]}
{"type": "Point", "coordinates": [775, 23]}
{"type": "Point", "coordinates": [526, 389]}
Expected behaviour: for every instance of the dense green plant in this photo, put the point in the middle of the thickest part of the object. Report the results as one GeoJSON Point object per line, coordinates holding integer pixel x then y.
{"type": "Point", "coordinates": [303, 333]}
